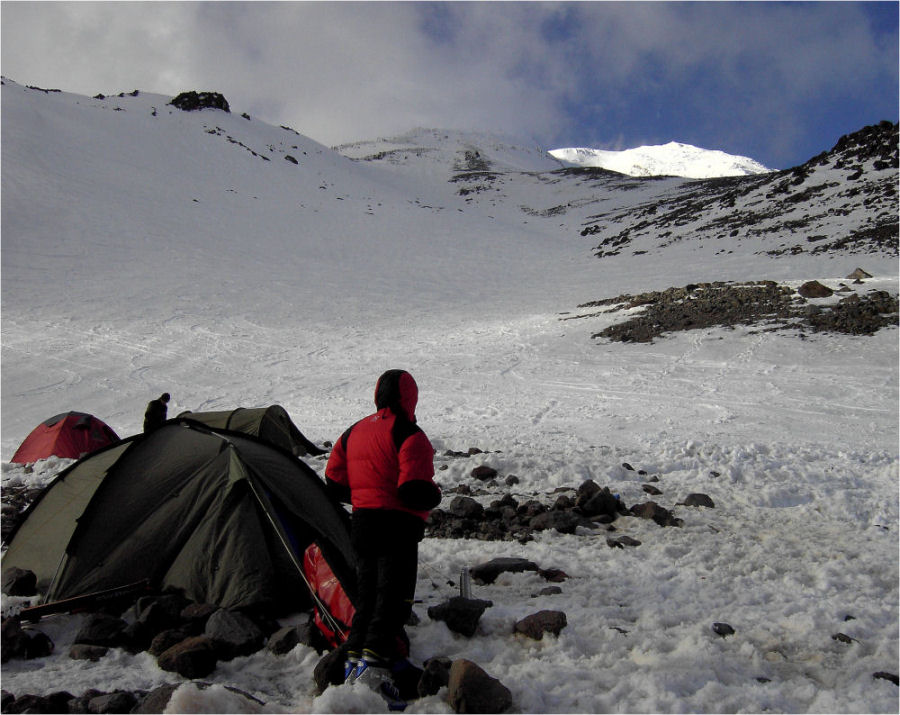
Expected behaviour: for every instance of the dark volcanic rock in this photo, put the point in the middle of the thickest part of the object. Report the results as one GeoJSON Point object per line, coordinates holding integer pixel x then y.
{"type": "Point", "coordinates": [652, 510]}
{"type": "Point", "coordinates": [471, 690]}
{"type": "Point", "coordinates": [484, 473]}
{"type": "Point", "coordinates": [535, 625]}
{"type": "Point", "coordinates": [814, 289]}
{"type": "Point", "coordinates": [83, 651]}
{"type": "Point", "coordinates": [19, 582]}
{"type": "Point", "coordinates": [435, 676]}
{"type": "Point", "coordinates": [157, 699]}
{"type": "Point", "coordinates": [488, 572]}
{"type": "Point", "coordinates": [466, 508]}
{"type": "Point", "coordinates": [103, 630]}
{"type": "Point", "coordinates": [564, 522]}
{"type": "Point", "coordinates": [722, 629]}
{"type": "Point", "coordinates": [763, 303]}
{"type": "Point", "coordinates": [191, 101]}
{"type": "Point", "coordinates": [234, 634]}
{"type": "Point", "coordinates": [193, 658]}
{"type": "Point", "coordinates": [699, 500]}
{"type": "Point", "coordinates": [460, 614]}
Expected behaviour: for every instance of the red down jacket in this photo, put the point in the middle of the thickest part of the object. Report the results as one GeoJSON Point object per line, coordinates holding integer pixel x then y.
{"type": "Point", "coordinates": [385, 461]}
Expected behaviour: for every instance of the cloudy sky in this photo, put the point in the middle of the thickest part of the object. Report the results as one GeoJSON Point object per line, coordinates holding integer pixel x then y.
{"type": "Point", "coordinates": [778, 82]}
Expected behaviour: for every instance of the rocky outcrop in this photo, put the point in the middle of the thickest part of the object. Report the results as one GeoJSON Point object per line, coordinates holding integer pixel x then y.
{"type": "Point", "coordinates": [192, 101]}
{"type": "Point", "coordinates": [764, 304]}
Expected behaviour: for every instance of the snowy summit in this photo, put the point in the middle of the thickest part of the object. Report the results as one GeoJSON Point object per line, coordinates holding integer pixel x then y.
{"type": "Point", "coordinates": [672, 159]}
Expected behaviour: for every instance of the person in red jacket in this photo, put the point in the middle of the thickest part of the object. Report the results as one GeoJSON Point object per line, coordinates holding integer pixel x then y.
{"type": "Point", "coordinates": [384, 467]}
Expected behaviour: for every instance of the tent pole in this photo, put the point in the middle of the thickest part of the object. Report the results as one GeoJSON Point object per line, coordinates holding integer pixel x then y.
{"type": "Point", "coordinates": [266, 505]}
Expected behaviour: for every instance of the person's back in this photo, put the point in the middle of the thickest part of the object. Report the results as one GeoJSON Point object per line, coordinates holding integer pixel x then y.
{"type": "Point", "coordinates": [156, 412]}
{"type": "Point", "coordinates": [384, 466]}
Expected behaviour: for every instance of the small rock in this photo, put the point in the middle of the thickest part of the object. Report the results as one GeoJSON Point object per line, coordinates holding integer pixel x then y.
{"type": "Point", "coordinates": [192, 658]}
{"type": "Point", "coordinates": [814, 289]}
{"type": "Point", "coordinates": [843, 638]}
{"type": "Point", "coordinates": [39, 646]}
{"type": "Point", "coordinates": [466, 508]}
{"type": "Point", "coordinates": [699, 500]}
{"type": "Point", "coordinates": [651, 490]}
{"type": "Point", "coordinates": [600, 503]}
{"type": "Point", "coordinates": [102, 629]}
{"type": "Point", "coordinates": [14, 639]}
{"type": "Point", "coordinates": [460, 614]}
{"type": "Point", "coordinates": [435, 676]}
{"type": "Point", "coordinates": [330, 668]}
{"type": "Point", "coordinates": [487, 572]}
{"type": "Point", "coordinates": [234, 634]}
{"type": "Point", "coordinates": [565, 522]}
{"type": "Point", "coordinates": [166, 639]}
{"type": "Point", "coordinates": [548, 591]}
{"type": "Point", "coordinates": [484, 473]}
{"type": "Point", "coordinates": [157, 699]}
{"type": "Point", "coordinates": [553, 575]}
{"type": "Point", "coordinates": [622, 541]}
{"type": "Point", "coordinates": [159, 613]}
{"type": "Point", "coordinates": [19, 582]}
{"type": "Point", "coordinates": [883, 675]}
{"type": "Point", "coordinates": [652, 510]}
{"type": "Point", "coordinates": [198, 614]}
{"type": "Point", "coordinates": [471, 690]}
{"type": "Point", "coordinates": [284, 640]}
{"type": "Point", "coordinates": [722, 629]}
{"type": "Point", "coordinates": [83, 651]}
{"type": "Point", "coordinates": [859, 274]}
{"type": "Point", "coordinates": [535, 625]}
{"type": "Point", "coordinates": [627, 466]}
{"type": "Point", "coordinates": [119, 701]}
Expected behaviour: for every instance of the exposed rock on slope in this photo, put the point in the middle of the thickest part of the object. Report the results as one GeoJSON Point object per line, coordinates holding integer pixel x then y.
{"type": "Point", "coordinates": [724, 304]}
{"type": "Point", "coordinates": [853, 187]}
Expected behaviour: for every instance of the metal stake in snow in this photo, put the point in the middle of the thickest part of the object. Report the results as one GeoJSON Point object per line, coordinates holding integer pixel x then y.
{"type": "Point", "coordinates": [465, 586]}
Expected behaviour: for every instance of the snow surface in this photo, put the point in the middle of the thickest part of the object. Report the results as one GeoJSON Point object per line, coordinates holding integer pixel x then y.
{"type": "Point", "coordinates": [146, 249]}
{"type": "Point", "coordinates": [672, 159]}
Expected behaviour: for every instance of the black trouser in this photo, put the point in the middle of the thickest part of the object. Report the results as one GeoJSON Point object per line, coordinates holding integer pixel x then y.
{"type": "Point", "coordinates": [387, 549]}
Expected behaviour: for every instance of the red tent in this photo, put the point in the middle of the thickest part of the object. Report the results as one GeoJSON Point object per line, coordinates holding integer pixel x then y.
{"type": "Point", "coordinates": [70, 435]}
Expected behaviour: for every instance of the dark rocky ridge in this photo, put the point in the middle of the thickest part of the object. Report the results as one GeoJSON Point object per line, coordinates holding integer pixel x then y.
{"type": "Point", "coordinates": [723, 304]}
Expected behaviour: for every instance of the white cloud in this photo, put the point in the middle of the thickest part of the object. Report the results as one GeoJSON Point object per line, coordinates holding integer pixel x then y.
{"type": "Point", "coordinates": [341, 71]}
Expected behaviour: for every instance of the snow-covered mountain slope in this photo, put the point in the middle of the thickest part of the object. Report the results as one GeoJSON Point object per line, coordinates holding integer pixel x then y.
{"type": "Point", "coordinates": [843, 201]}
{"type": "Point", "coordinates": [125, 216]}
{"type": "Point", "coordinates": [185, 198]}
{"type": "Point", "coordinates": [463, 151]}
{"type": "Point", "coordinates": [233, 263]}
{"type": "Point", "coordinates": [672, 159]}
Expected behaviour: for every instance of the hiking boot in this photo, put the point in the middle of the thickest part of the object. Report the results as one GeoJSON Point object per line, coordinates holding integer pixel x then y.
{"type": "Point", "coordinates": [350, 667]}
{"type": "Point", "coordinates": [377, 677]}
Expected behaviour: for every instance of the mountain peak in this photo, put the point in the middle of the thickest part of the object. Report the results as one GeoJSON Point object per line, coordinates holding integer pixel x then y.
{"type": "Point", "coordinates": [671, 159]}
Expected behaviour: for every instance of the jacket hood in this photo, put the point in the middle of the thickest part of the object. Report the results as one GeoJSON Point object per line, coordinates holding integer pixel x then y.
{"type": "Point", "coordinates": [398, 390]}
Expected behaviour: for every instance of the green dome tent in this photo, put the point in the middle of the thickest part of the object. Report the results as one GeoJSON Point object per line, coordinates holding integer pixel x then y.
{"type": "Point", "coordinates": [272, 424]}
{"type": "Point", "coordinates": [221, 515]}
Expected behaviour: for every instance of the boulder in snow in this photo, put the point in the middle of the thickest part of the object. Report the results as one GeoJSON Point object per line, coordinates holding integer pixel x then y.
{"type": "Point", "coordinates": [472, 690]}
{"type": "Point", "coordinates": [460, 614]}
{"type": "Point", "coordinates": [535, 625]}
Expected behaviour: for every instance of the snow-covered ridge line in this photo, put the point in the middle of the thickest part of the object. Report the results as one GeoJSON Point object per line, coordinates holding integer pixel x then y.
{"type": "Point", "coordinates": [672, 159]}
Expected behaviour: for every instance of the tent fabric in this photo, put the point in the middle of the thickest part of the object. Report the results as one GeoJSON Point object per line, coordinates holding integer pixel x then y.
{"type": "Point", "coordinates": [272, 424]}
{"type": "Point", "coordinates": [221, 515]}
{"type": "Point", "coordinates": [69, 434]}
